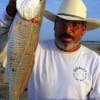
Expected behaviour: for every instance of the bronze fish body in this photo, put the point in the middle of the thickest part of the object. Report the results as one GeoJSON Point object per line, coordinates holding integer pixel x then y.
{"type": "Point", "coordinates": [23, 39]}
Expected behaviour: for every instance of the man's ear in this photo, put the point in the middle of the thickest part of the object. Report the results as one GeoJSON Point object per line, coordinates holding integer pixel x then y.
{"type": "Point", "coordinates": [84, 30]}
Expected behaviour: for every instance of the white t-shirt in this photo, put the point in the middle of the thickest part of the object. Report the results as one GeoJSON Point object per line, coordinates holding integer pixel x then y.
{"type": "Point", "coordinates": [59, 75]}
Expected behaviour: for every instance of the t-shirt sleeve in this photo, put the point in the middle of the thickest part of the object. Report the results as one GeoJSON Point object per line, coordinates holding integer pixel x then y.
{"type": "Point", "coordinates": [5, 22]}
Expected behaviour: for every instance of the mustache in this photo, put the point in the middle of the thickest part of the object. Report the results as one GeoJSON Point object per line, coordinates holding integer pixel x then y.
{"type": "Point", "coordinates": [66, 35]}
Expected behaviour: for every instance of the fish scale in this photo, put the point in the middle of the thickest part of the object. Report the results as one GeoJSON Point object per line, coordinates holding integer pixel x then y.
{"type": "Point", "coordinates": [23, 40]}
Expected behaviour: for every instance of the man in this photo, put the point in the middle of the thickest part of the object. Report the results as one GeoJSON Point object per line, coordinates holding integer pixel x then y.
{"type": "Point", "coordinates": [64, 69]}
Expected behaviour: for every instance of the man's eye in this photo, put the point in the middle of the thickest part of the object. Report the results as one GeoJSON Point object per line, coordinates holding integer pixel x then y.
{"type": "Point", "coordinates": [75, 24]}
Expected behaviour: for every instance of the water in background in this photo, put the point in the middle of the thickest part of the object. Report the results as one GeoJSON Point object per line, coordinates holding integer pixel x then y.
{"type": "Point", "coordinates": [47, 26]}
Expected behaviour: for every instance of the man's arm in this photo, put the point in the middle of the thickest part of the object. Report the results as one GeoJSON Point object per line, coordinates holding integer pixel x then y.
{"type": "Point", "coordinates": [95, 91]}
{"type": "Point", "coordinates": [6, 18]}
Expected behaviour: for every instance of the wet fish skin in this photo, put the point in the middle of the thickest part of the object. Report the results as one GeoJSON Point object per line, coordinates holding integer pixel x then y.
{"type": "Point", "coordinates": [23, 39]}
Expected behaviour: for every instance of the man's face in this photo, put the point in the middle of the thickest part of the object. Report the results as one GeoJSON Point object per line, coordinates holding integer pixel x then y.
{"type": "Point", "coordinates": [68, 33]}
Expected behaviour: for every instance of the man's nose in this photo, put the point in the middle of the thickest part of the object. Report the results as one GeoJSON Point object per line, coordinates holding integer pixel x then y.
{"type": "Point", "coordinates": [68, 28]}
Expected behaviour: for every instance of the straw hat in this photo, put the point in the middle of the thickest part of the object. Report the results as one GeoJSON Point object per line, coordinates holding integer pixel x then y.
{"type": "Point", "coordinates": [73, 10]}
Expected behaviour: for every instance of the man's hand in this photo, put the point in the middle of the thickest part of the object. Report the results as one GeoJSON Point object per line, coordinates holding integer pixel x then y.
{"type": "Point", "coordinates": [11, 8]}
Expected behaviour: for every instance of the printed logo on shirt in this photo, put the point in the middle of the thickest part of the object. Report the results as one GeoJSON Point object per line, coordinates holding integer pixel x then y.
{"type": "Point", "coordinates": [80, 73]}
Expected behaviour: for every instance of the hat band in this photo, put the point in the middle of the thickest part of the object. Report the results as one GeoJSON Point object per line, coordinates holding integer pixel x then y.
{"type": "Point", "coordinates": [70, 15]}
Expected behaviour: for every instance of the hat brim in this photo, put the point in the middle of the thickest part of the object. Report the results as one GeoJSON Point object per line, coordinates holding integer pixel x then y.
{"type": "Point", "coordinates": [91, 23]}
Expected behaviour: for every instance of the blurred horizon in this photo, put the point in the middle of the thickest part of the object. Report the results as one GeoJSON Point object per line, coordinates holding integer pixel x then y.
{"type": "Point", "coordinates": [93, 9]}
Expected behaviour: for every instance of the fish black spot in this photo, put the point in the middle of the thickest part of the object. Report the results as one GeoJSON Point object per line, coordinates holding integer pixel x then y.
{"type": "Point", "coordinates": [13, 70]}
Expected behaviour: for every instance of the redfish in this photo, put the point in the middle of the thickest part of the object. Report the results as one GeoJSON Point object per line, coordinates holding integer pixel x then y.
{"type": "Point", "coordinates": [22, 43]}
